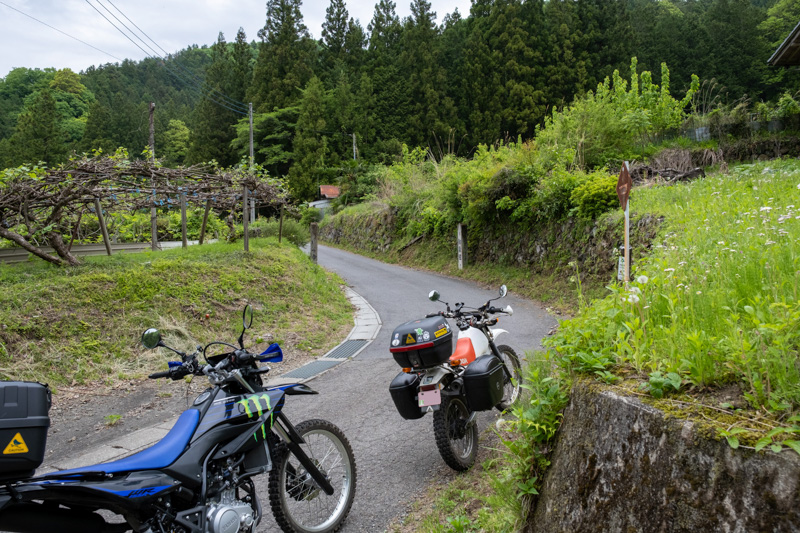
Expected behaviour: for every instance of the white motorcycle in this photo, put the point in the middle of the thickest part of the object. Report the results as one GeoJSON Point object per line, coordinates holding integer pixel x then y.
{"type": "Point", "coordinates": [454, 384]}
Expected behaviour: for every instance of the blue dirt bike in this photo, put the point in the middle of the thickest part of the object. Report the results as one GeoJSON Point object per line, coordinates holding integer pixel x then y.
{"type": "Point", "coordinates": [200, 477]}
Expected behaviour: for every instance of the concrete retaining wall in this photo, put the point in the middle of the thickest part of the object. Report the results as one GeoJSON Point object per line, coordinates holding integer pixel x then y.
{"type": "Point", "coordinates": [620, 465]}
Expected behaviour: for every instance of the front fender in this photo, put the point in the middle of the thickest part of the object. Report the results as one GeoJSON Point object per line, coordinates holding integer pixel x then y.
{"type": "Point", "coordinates": [496, 332]}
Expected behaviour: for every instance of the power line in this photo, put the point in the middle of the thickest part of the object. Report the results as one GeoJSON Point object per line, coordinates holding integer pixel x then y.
{"type": "Point", "coordinates": [197, 89]}
{"type": "Point", "coordinates": [231, 101]}
{"type": "Point", "coordinates": [59, 31]}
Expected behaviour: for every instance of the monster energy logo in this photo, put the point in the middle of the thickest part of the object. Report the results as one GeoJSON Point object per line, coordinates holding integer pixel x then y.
{"type": "Point", "coordinates": [256, 399]}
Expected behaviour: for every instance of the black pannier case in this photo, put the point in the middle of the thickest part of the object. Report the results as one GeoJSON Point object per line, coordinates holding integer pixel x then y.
{"type": "Point", "coordinates": [422, 343]}
{"type": "Point", "coordinates": [404, 390]}
{"type": "Point", "coordinates": [483, 383]}
{"type": "Point", "coordinates": [24, 419]}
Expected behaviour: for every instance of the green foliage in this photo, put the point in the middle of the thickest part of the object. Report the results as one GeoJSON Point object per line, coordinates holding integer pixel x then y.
{"type": "Point", "coordinates": [659, 384]}
{"type": "Point", "coordinates": [294, 231]}
{"type": "Point", "coordinates": [717, 299]}
{"type": "Point", "coordinates": [596, 195]}
{"type": "Point", "coordinates": [610, 124]}
{"type": "Point", "coordinates": [82, 324]}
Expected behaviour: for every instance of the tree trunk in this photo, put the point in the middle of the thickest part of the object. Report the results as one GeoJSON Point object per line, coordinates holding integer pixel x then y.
{"type": "Point", "coordinates": [20, 241]}
{"type": "Point", "coordinates": [55, 240]}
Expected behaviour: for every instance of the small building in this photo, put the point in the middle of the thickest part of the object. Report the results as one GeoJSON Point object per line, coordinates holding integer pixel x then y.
{"type": "Point", "coordinates": [788, 53]}
{"type": "Point", "coordinates": [328, 192]}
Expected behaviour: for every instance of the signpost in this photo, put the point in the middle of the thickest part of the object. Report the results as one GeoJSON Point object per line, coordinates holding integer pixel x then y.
{"type": "Point", "coordinates": [624, 186]}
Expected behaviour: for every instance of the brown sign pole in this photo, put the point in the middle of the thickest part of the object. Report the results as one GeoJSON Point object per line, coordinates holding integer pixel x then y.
{"type": "Point", "coordinates": [624, 186]}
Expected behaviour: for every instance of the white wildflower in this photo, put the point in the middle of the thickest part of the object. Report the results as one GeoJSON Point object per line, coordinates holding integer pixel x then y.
{"type": "Point", "coordinates": [766, 208]}
{"type": "Point", "coordinates": [642, 279]}
{"type": "Point", "coordinates": [632, 298]}
{"type": "Point", "coordinates": [669, 270]}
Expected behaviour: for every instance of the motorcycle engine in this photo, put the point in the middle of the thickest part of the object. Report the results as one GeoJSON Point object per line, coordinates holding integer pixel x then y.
{"type": "Point", "coordinates": [230, 515]}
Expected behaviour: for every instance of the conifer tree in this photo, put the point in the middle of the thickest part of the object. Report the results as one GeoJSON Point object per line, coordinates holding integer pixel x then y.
{"type": "Point", "coordinates": [334, 33]}
{"type": "Point", "coordinates": [310, 143]}
{"type": "Point", "coordinates": [390, 94]}
{"type": "Point", "coordinates": [431, 114]}
{"type": "Point", "coordinates": [214, 115]}
{"type": "Point", "coordinates": [286, 57]}
{"type": "Point", "coordinates": [38, 135]}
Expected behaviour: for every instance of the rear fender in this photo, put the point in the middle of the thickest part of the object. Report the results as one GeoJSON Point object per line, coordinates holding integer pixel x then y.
{"type": "Point", "coordinates": [434, 376]}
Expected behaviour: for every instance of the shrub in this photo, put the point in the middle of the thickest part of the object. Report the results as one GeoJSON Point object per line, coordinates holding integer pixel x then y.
{"type": "Point", "coordinates": [596, 195]}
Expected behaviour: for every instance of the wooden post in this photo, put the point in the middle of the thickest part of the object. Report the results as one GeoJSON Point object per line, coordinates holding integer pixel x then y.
{"type": "Point", "coordinates": [280, 226]}
{"type": "Point", "coordinates": [461, 237]}
{"type": "Point", "coordinates": [244, 221]}
{"type": "Point", "coordinates": [183, 220]}
{"type": "Point", "coordinates": [205, 221]}
{"type": "Point", "coordinates": [103, 227]}
{"type": "Point", "coordinates": [627, 237]}
{"type": "Point", "coordinates": [153, 211]}
{"type": "Point", "coordinates": [314, 236]}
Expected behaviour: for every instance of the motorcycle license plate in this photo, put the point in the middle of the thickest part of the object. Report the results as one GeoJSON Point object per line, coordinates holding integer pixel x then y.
{"type": "Point", "coordinates": [430, 397]}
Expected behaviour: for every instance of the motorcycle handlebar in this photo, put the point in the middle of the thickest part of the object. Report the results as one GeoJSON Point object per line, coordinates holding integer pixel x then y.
{"type": "Point", "coordinates": [159, 375]}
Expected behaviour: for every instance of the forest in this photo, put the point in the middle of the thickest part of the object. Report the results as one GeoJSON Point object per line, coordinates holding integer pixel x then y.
{"type": "Point", "coordinates": [327, 110]}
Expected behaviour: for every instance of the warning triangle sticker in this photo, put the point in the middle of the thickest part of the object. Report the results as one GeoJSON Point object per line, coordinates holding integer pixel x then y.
{"type": "Point", "coordinates": [17, 445]}
{"type": "Point", "coordinates": [410, 339]}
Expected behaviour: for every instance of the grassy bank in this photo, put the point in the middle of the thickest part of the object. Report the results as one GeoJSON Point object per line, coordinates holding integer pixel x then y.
{"type": "Point", "coordinates": [81, 324]}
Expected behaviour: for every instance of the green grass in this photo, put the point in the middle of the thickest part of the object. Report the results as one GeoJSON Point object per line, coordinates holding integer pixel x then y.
{"type": "Point", "coordinates": [81, 324]}
{"type": "Point", "coordinates": [716, 302]}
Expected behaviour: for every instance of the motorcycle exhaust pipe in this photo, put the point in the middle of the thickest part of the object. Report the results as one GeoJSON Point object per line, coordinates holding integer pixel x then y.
{"type": "Point", "coordinates": [34, 518]}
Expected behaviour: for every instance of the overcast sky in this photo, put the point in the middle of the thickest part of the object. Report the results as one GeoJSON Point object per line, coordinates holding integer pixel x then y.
{"type": "Point", "coordinates": [172, 24]}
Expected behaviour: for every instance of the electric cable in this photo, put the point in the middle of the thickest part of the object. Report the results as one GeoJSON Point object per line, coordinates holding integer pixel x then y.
{"type": "Point", "coordinates": [61, 32]}
{"type": "Point", "coordinates": [228, 99]}
{"type": "Point", "coordinates": [189, 85]}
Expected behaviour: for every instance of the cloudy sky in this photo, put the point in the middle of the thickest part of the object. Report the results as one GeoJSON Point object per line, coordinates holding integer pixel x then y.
{"type": "Point", "coordinates": [50, 40]}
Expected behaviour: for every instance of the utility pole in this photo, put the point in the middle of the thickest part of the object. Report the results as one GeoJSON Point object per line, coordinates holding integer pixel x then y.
{"type": "Point", "coordinates": [354, 147]}
{"type": "Point", "coordinates": [245, 214]}
{"type": "Point", "coordinates": [153, 212]}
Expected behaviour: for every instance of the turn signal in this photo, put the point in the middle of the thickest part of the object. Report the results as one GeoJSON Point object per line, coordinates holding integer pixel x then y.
{"type": "Point", "coordinates": [406, 369]}
{"type": "Point", "coordinates": [455, 362]}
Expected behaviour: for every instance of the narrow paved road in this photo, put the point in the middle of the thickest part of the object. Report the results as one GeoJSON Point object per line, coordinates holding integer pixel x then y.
{"type": "Point", "coordinates": [396, 458]}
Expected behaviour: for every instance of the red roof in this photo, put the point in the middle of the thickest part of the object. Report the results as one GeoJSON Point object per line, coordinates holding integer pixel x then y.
{"type": "Point", "coordinates": [328, 191]}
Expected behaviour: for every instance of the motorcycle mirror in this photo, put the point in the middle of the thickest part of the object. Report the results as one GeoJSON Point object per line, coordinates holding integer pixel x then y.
{"type": "Point", "coordinates": [151, 338]}
{"type": "Point", "coordinates": [508, 310]}
{"type": "Point", "coordinates": [247, 316]}
{"type": "Point", "coordinates": [503, 291]}
{"type": "Point", "coordinates": [433, 296]}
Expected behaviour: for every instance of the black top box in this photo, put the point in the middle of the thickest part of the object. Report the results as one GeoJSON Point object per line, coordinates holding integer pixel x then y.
{"type": "Point", "coordinates": [24, 419]}
{"type": "Point", "coordinates": [422, 343]}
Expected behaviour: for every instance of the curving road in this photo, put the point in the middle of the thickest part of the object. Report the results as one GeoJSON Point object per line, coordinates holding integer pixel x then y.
{"type": "Point", "coordinates": [396, 458]}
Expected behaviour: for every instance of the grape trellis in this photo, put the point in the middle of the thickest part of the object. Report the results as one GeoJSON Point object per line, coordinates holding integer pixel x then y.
{"type": "Point", "coordinates": [40, 206]}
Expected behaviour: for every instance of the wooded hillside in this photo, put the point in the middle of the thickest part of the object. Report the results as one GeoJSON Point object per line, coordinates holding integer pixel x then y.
{"type": "Point", "coordinates": [445, 81]}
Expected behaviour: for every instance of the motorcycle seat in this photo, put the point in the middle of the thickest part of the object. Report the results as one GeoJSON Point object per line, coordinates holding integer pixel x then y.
{"type": "Point", "coordinates": [159, 455]}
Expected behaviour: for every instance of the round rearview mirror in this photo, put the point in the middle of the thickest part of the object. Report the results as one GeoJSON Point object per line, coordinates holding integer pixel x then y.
{"type": "Point", "coordinates": [247, 316]}
{"type": "Point", "coordinates": [151, 338]}
{"type": "Point", "coordinates": [503, 291]}
{"type": "Point", "coordinates": [433, 296]}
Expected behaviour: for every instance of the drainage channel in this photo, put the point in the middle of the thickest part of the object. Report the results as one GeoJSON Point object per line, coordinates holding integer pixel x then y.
{"type": "Point", "coordinates": [367, 325]}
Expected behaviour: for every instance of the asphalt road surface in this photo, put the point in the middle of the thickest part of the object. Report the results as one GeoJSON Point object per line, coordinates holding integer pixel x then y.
{"type": "Point", "coordinates": [396, 458]}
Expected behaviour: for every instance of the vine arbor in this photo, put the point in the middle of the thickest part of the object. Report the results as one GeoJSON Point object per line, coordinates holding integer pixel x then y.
{"type": "Point", "coordinates": [40, 206]}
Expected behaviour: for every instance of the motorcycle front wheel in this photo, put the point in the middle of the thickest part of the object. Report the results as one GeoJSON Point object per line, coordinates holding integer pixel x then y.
{"type": "Point", "coordinates": [511, 387]}
{"type": "Point", "coordinates": [457, 442]}
{"type": "Point", "coordinates": [298, 505]}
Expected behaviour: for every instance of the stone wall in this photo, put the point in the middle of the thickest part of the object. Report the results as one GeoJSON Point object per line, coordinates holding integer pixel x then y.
{"type": "Point", "coordinates": [593, 245]}
{"type": "Point", "coordinates": [620, 465]}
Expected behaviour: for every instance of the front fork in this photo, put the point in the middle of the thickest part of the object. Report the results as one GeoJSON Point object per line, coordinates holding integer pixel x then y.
{"type": "Point", "coordinates": [293, 440]}
{"type": "Point", "coordinates": [496, 353]}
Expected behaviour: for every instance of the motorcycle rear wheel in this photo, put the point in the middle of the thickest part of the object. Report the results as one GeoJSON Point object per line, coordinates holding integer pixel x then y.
{"type": "Point", "coordinates": [457, 442]}
{"type": "Point", "coordinates": [511, 387]}
{"type": "Point", "coordinates": [298, 505]}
